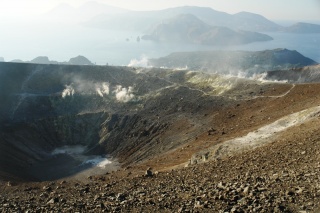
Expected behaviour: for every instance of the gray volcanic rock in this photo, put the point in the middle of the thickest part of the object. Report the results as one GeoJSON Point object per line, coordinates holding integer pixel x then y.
{"type": "Point", "coordinates": [189, 29]}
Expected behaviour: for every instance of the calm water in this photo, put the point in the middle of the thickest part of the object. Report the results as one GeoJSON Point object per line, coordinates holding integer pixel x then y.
{"type": "Point", "coordinates": [61, 42]}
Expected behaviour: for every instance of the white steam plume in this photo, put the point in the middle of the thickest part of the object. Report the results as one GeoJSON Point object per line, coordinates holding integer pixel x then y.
{"type": "Point", "coordinates": [142, 62]}
{"type": "Point", "coordinates": [68, 91]}
{"type": "Point", "coordinates": [103, 89]}
{"type": "Point", "coordinates": [123, 94]}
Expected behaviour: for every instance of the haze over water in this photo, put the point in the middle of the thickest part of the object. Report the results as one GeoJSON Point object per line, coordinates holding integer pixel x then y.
{"type": "Point", "coordinates": [31, 29]}
{"type": "Point", "coordinates": [61, 42]}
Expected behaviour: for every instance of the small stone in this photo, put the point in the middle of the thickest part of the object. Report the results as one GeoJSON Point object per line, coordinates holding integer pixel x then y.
{"type": "Point", "coordinates": [290, 193]}
{"type": "Point", "coordinates": [234, 209]}
{"type": "Point", "coordinates": [299, 190]}
{"type": "Point", "coordinates": [246, 190]}
{"type": "Point", "coordinates": [96, 197]}
{"type": "Point", "coordinates": [310, 203]}
{"type": "Point", "coordinates": [221, 186]}
{"type": "Point", "coordinates": [53, 200]}
{"type": "Point", "coordinates": [121, 197]}
{"type": "Point", "coordinates": [260, 189]}
{"type": "Point", "coordinates": [149, 173]}
{"type": "Point", "coordinates": [47, 188]}
{"type": "Point", "coordinates": [198, 205]}
{"type": "Point", "coordinates": [107, 185]}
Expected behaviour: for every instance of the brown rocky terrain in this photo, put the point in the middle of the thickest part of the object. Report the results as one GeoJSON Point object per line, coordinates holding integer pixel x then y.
{"type": "Point", "coordinates": [168, 150]}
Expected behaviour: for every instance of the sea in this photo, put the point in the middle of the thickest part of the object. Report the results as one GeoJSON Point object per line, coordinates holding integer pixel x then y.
{"type": "Point", "coordinates": [60, 42]}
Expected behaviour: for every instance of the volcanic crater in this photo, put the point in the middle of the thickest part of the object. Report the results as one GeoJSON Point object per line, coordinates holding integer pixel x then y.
{"type": "Point", "coordinates": [93, 131]}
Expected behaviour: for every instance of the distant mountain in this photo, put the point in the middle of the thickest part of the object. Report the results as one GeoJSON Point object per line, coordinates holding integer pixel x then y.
{"type": "Point", "coordinates": [80, 60]}
{"type": "Point", "coordinates": [144, 20]}
{"type": "Point", "coordinates": [189, 29]}
{"type": "Point", "coordinates": [303, 28]}
{"type": "Point", "coordinates": [240, 21]}
{"type": "Point", "coordinates": [234, 62]}
{"type": "Point", "coordinates": [186, 28]}
{"type": "Point", "coordinates": [1, 59]}
{"type": "Point", "coordinates": [17, 61]}
{"type": "Point", "coordinates": [253, 22]}
{"type": "Point", "coordinates": [98, 15]}
{"type": "Point", "coordinates": [43, 60]}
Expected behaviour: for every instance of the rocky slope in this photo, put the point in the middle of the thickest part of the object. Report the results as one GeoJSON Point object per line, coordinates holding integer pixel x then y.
{"type": "Point", "coordinates": [165, 119]}
{"type": "Point", "coordinates": [48, 106]}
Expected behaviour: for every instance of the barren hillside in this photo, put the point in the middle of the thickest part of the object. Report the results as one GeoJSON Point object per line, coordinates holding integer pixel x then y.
{"type": "Point", "coordinates": [211, 143]}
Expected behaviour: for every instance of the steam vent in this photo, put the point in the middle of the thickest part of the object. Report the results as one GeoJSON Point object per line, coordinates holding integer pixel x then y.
{"type": "Point", "coordinates": [159, 106]}
{"type": "Point", "coordinates": [124, 139]}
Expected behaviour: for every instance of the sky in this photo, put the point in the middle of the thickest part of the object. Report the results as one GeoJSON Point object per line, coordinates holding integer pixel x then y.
{"type": "Point", "coordinates": [271, 9]}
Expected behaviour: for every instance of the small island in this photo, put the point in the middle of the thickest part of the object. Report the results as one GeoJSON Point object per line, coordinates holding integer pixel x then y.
{"type": "Point", "coordinates": [187, 28]}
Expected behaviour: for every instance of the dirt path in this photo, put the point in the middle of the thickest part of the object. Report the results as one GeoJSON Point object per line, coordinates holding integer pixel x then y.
{"type": "Point", "coordinates": [279, 96]}
{"type": "Point", "coordinates": [258, 138]}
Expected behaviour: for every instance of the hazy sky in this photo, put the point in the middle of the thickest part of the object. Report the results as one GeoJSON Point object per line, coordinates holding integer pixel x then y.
{"type": "Point", "coordinates": [272, 9]}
